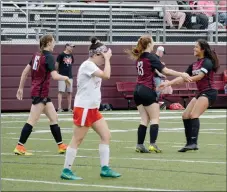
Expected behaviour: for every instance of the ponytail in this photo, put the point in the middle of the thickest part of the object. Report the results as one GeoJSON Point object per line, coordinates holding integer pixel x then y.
{"type": "Point", "coordinates": [141, 46]}
{"type": "Point", "coordinates": [215, 60]}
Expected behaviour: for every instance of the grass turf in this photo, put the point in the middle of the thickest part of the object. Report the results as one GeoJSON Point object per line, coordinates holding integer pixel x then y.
{"type": "Point", "coordinates": [200, 170]}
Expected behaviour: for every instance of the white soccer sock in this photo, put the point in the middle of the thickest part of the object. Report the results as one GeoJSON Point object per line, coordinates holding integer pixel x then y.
{"type": "Point", "coordinates": [70, 157]}
{"type": "Point", "coordinates": [104, 152]}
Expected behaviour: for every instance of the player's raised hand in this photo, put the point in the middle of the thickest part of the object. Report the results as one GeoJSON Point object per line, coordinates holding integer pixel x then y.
{"type": "Point", "coordinates": [19, 94]}
{"type": "Point", "coordinates": [186, 77]}
{"type": "Point", "coordinates": [108, 54]}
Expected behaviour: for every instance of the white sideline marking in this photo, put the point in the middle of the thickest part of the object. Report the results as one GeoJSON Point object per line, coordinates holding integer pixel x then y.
{"type": "Point", "coordinates": [114, 141]}
{"type": "Point", "coordinates": [127, 118]}
{"type": "Point", "coordinates": [163, 122]}
{"type": "Point", "coordinates": [86, 185]}
{"type": "Point", "coordinates": [109, 113]}
{"type": "Point", "coordinates": [139, 159]}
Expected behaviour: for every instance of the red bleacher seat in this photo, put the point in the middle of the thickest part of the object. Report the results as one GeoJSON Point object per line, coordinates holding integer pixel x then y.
{"type": "Point", "coordinates": [126, 89]}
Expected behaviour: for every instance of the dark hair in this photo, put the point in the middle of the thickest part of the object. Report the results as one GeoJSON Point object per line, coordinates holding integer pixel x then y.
{"type": "Point", "coordinates": [44, 40]}
{"type": "Point", "coordinates": [95, 43]}
{"type": "Point", "coordinates": [208, 53]}
{"type": "Point", "coordinates": [142, 44]}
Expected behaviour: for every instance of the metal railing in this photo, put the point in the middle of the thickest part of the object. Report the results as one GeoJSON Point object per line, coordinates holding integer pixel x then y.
{"type": "Point", "coordinates": [116, 22]}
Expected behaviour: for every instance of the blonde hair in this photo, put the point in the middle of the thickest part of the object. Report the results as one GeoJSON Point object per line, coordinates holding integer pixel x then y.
{"type": "Point", "coordinates": [142, 44]}
{"type": "Point", "coordinates": [44, 40]}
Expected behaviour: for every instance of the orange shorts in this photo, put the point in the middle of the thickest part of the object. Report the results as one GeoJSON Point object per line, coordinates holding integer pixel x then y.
{"type": "Point", "coordinates": [85, 117]}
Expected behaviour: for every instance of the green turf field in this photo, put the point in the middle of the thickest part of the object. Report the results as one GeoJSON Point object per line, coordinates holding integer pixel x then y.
{"type": "Point", "coordinates": [202, 170]}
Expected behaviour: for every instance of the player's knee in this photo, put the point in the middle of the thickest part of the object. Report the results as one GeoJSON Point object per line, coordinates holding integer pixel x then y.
{"type": "Point", "coordinates": [193, 116]}
{"type": "Point", "coordinates": [155, 121]}
{"type": "Point", "coordinates": [144, 121]}
{"type": "Point", "coordinates": [185, 115]}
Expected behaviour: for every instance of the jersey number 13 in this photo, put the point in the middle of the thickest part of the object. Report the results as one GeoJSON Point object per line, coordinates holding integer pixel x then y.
{"type": "Point", "coordinates": [140, 68]}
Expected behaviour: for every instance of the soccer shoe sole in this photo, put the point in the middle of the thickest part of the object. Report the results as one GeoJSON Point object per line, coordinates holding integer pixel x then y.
{"type": "Point", "coordinates": [64, 177]}
{"type": "Point", "coordinates": [155, 150]}
{"type": "Point", "coordinates": [21, 153]}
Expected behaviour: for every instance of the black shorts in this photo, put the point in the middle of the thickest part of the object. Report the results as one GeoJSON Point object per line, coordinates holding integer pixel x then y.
{"type": "Point", "coordinates": [144, 96]}
{"type": "Point", "coordinates": [37, 100]}
{"type": "Point", "coordinates": [211, 95]}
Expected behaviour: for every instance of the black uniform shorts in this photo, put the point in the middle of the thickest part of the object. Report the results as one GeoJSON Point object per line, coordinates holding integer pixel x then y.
{"type": "Point", "coordinates": [144, 96]}
{"type": "Point", "coordinates": [37, 100]}
{"type": "Point", "coordinates": [211, 95]}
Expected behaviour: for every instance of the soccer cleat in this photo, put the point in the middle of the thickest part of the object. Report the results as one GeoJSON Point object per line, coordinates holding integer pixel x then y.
{"type": "Point", "coordinates": [20, 150]}
{"type": "Point", "coordinates": [107, 172]}
{"type": "Point", "coordinates": [140, 148]}
{"type": "Point", "coordinates": [62, 148]}
{"type": "Point", "coordinates": [70, 110]}
{"type": "Point", "coordinates": [189, 148]}
{"type": "Point", "coordinates": [60, 110]}
{"type": "Point", "coordinates": [154, 148]}
{"type": "Point", "coordinates": [67, 174]}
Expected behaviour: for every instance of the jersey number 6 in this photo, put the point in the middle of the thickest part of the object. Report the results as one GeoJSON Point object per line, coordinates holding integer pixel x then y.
{"type": "Point", "coordinates": [35, 65]}
{"type": "Point", "coordinates": [140, 68]}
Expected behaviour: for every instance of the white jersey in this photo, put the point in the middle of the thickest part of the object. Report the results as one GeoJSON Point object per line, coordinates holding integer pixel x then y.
{"type": "Point", "coordinates": [88, 87]}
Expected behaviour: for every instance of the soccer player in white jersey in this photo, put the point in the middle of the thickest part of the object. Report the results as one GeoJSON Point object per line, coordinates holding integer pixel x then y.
{"type": "Point", "coordinates": [86, 109]}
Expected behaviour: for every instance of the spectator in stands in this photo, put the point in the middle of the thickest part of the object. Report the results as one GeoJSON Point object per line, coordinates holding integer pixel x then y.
{"type": "Point", "coordinates": [207, 8]}
{"type": "Point", "coordinates": [199, 17]}
{"type": "Point", "coordinates": [145, 96]}
{"type": "Point", "coordinates": [174, 13]}
{"type": "Point", "coordinates": [42, 68]}
{"type": "Point", "coordinates": [64, 67]}
{"type": "Point", "coordinates": [222, 16]}
{"type": "Point", "coordinates": [186, 7]}
{"type": "Point", "coordinates": [202, 72]}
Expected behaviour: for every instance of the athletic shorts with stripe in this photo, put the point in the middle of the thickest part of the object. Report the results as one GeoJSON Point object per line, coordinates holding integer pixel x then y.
{"type": "Point", "coordinates": [85, 117]}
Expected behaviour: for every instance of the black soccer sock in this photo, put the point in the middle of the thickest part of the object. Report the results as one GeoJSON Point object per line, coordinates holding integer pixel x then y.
{"type": "Point", "coordinates": [153, 133]}
{"type": "Point", "coordinates": [25, 132]}
{"type": "Point", "coordinates": [141, 134]}
{"type": "Point", "coordinates": [56, 132]}
{"type": "Point", "coordinates": [187, 130]}
{"type": "Point", "coordinates": [195, 130]}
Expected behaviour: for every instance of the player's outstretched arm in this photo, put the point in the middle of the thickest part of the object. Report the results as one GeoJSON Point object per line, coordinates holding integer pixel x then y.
{"type": "Point", "coordinates": [185, 76]}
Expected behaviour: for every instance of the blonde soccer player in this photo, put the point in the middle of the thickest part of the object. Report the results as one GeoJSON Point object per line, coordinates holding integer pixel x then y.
{"type": "Point", "coordinates": [86, 109]}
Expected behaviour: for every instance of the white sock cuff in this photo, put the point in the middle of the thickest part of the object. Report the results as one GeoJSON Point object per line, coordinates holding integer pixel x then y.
{"type": "Point", "coordinates": [71, 150]}
{"type": "Point", "coordinates": [104, 146]}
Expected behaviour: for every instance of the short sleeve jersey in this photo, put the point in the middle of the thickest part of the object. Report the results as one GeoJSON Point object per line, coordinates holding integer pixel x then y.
{"type": "Point", "coordinates": [65, 64]}
{"type": "Point", "coordinates": [42, 65]}
{"type": "Point", "coordinates": [146, 65]}
{"type": "Point", "coordinates": [205, 66]}
{"type": "Point", "coordinates": [88, 86]}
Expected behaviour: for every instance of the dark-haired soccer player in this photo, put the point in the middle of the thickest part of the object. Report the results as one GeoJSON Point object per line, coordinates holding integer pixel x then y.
{"type": "Point", "coordinates": [86, 109]}
{"type": "Point", "coordinates": [202, 72]}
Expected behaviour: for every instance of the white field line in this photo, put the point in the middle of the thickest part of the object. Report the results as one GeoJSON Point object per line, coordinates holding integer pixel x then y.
{"type": "Point", "coordinates": [109, 113]}
{"type": "Point", "coordinates": [117, 141]}
{"type": "Point", "coordinates": [85, 185]}
{"type": "Point", "coordinates": [137, 159]}
{"type": "Point", "coordinates": [162, 122]}
{"type": "Point", "coordinates": [122, 131]}
{"type": "Point", "coordinates": [127, 118]}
